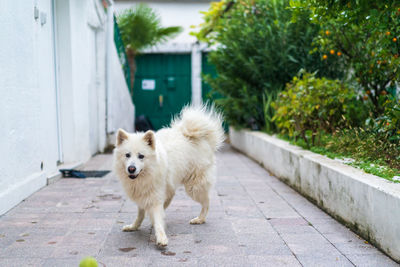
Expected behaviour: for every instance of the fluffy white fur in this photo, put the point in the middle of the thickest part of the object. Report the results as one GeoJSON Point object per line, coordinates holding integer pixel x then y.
{"type": "Point", "coordinates": [183, 154]}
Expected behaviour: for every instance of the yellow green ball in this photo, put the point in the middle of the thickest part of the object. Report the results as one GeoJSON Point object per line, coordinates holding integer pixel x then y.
{"type": "Point", "coordinates": [88, 262]}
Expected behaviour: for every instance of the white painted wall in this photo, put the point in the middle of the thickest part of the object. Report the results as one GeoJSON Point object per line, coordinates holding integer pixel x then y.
{"type": "Point", "coordinates": [121, 112]}
{"type": "Point", "coordinates": [174, 13]}
{"type": "Point", "coordinates": [29, 147]}
{"type": "Point", "coordinates": [27, 101]}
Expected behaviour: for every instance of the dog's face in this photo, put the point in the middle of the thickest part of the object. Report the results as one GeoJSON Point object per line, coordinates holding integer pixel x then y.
{"type": "Point", "coordinates": [133, 151]}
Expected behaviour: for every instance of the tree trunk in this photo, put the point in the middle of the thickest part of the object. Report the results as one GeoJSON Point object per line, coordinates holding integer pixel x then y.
{"type": "Point", "coordinates": [132, 66]}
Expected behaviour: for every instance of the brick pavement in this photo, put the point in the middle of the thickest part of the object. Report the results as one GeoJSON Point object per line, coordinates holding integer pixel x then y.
{"type": "Point", "coordinates": [254, 220]}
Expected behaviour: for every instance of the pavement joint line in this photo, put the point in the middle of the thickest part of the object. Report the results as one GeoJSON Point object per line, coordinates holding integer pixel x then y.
{"type": "Point", "coordinates": [254, 202]}
{"type": "Point", "coordinates": [309, 223]}
{"type": "Point", "coordinates": [287, 202]}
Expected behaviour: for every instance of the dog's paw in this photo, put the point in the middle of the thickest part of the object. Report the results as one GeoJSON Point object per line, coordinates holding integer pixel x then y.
{"type": "Point", "coordinates": [129, 228]}
{"type": "Point", "coordinates": [197, 220]}
{"type": "Point", "coordinates": [162, 241]}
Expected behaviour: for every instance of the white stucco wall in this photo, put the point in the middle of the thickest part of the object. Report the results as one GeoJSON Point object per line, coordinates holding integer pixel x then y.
{"type": "Point", "coordinates": [27, 101]}
{"type": "Point", "coordinates": [174, 13]}
{"type": "Point", "coordinates": [85, 85]}
{"type": "Point", "coordinates": [30, 84]}
{"type": "Point", "coordinates": [121, 111]}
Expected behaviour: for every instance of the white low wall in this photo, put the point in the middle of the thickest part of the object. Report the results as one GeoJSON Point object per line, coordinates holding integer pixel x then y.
{"type": "Point", "coordinates": [367, 204]}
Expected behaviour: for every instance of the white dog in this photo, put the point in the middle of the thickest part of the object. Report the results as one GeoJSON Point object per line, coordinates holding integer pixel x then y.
{"type": "Point", "coordinates": [152, 165]}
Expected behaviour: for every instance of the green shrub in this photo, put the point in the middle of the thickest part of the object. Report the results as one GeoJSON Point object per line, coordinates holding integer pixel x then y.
{"type": "Point", "coordinates": [311, 105]}
{"type": "Point", "coordinates": [258, 50]}
{"type": "Point", "coordinates": [365, 35]}
{"type": "Point", "coordinates": [389, 123]}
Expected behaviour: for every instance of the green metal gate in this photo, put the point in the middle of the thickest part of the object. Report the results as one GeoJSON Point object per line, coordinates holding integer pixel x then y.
{"type": "Point", "coordinates": [162, 86]}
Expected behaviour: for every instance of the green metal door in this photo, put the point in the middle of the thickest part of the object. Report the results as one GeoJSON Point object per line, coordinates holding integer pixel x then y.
{"type": "Point", "coordinates": [162, 86]}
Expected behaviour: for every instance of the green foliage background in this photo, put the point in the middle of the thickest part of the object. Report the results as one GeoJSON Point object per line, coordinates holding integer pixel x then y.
{"type": "Point", "coordinates": [259, 50]}
{"type": "Point", "coordinates": [309, 106]}
{"type": "Point", "coordinates": [367, 33]}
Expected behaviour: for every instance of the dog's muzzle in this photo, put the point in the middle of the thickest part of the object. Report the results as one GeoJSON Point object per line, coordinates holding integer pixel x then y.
{"type": "Point", "coordinates": [132, 176]}
{"type": "Point", "coordinates": [131, 171]}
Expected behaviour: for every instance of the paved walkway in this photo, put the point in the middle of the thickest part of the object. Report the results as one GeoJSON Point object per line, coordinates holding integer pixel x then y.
{"type": "Point", "coordinates": [255, 220]}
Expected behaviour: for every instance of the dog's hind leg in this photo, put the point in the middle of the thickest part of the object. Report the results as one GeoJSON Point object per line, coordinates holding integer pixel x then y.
{"type": "Point", "coordinates": [199, 193]}
{"type": "Point", "coordinates": [135, 226]}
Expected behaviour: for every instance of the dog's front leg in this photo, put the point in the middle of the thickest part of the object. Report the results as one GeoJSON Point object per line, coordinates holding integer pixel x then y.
{"type": "Point", "coordinates": [135, 226]}
{"type": "Point", "coordinates": [157, 218]}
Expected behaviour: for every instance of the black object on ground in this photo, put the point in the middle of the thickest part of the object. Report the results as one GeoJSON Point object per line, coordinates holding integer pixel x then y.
{"type": "Point", "coordinates": [143, 124]}
{"type": "Point", "coordinates": [71, 173]}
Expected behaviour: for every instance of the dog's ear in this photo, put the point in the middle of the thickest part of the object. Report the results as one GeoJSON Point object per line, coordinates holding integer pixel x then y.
{"type": "Point", "coordinates": [150, 139]}
{"type": "Point", "coordinates": [121, 136]}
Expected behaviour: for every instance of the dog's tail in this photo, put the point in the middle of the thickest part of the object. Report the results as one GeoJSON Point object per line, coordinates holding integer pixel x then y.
{"type": "Point", "coordinates": [202, 122]}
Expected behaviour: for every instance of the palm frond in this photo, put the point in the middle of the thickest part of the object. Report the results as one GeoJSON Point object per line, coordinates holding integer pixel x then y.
{"type": "Point", "coordinates": [141, 27]}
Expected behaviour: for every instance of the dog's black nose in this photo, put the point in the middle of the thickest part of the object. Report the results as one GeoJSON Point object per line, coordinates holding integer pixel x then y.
{"type": "Point", "coordinates": [131, 169]}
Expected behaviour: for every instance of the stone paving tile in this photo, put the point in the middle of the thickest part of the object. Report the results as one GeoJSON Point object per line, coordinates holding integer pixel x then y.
{"type": "Point", "coordinates": [75, 252]}
{"type": "Point", "coordinates": [68, 262]}
{"type": "Point", "coordinates": [223, 261]}
{"type": "Point", "coordinates": [334, 260]}
{"type": "Point", "coordinates": [273, 260]}
{"type": "Point", "coordinates": [254, 220]}
{"type": "Point", "coordinates": [14, 262]}
{"type": "Point", "coordinates": [371, 260]}
{"type": "Point", "coordinates": [133, 260]}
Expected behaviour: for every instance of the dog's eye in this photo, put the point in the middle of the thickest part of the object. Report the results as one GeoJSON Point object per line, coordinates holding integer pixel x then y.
{"type": "Point", "coordinates": [140, 156]}
{"type": "Point", "coordinates": [128, 155]}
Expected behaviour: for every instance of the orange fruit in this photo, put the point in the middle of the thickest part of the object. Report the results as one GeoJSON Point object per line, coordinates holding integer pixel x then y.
{"type": "Point", "coordinates": [339, 54]}
{"type": "Point", "coordinates": [383, 93]}
{"type": "Point", "coordinates": [365, 97]}
{"type": "Point", "coordinates": [388, 33]}
{"type": "Point", "coordinates": [368, 92]}
{"type": "Point", "coordinates": [394, 39]}
{"type": "Point", "coordinates": [332, 52]}
{"type": "Point", "coordinates": [327, 32]}
{"type": "Point", "coordinates": [324, 57]}
{"type": "Point", "coordinates": [379, 62]}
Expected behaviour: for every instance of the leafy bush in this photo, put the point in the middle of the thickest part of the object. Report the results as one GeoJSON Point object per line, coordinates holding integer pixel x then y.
{"type": "Point", "coordinates": [311, 105]}
{"type": "Point", "coordinates": [389, 123]}
{"type": "Point", "coordinates": [258, 50]}
{"type": "Point", "coordinates": [365, 35]}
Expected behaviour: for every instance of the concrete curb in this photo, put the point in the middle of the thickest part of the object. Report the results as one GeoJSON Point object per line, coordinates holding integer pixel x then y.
{"type": "Point", "coordinates": [367, 204]}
